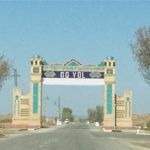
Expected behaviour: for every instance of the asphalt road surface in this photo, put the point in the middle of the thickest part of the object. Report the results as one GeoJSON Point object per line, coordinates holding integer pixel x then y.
{"type": "Point", "coordinates": [76, 137]}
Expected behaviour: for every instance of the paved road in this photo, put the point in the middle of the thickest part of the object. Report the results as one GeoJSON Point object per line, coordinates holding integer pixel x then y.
{"type": "Point", "coordinates": [76, 137]}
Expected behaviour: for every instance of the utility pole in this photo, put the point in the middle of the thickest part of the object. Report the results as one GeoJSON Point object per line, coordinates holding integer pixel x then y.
{"type": "Point", "coordinates": [115, 111]}
{"type": "Point", "coordinates": [15, 75]}
{"type": "Point", "coordinates": [58, 105]}
{"type": "Point", "coordinates": [46, 100]}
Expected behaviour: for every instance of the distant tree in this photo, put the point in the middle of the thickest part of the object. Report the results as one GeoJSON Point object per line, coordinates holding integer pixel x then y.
{"type": "Point", "coordinates": [67, 114]}
{"type": "Point", "coordinates": [148, 124]}
{"type": "Point", "coordinates": [4, 69]}
{"type": "Point", "coordinates": [82, 119]}
{"type": "Point", "coordinates": [95, 114]}
{"type": "Point", "coordinates": [91, 115]}
{"type": "Point", "coordinates": [99, 114]}
{"type": "Point", "coordinates": [141, 51]}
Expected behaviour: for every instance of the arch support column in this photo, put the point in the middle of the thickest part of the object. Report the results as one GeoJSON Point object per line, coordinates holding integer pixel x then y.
{"type": "Point", "coordinates": [109, 93]}
{"type": "Point", "coordinates": [36, 92]}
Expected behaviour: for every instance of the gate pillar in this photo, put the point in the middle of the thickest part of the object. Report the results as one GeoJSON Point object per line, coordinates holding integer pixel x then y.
{"type": "Point", "coordinates": [36, 91]}
{"type": "Point", "coordinates": [109, 93]}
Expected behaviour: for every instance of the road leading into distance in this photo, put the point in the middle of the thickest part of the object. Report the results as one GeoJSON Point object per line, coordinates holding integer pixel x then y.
{"type": "Point", "coordinates": [76, 137]}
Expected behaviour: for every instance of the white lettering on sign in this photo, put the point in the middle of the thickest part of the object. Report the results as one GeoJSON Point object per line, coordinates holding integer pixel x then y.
{"type": "Point", "coordinates": [66, 74]}
{"type": "Point", "coordinates": [72, 75]}
{"type": "Point", "coordinates": [79, 75]}
{"type": "Point", "coordinates": [62, 74]}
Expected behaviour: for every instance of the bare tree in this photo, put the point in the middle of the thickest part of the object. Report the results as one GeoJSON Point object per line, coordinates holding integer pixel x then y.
{"type": "Point", "coordinates": [141, 51]}
{"type": "Point", "coordinates": [5, 68]}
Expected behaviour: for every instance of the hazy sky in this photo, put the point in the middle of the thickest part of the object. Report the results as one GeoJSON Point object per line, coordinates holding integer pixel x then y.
{"type": "Point", "coordinates": [85, 31]}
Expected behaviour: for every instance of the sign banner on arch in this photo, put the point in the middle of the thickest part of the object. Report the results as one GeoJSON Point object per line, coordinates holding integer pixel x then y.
{"type": "Point", "coordinates": [73, 78]}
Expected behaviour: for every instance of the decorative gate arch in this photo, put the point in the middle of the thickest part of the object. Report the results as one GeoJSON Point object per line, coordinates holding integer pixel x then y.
{"type": "Point", "coordinates": [27, 109]}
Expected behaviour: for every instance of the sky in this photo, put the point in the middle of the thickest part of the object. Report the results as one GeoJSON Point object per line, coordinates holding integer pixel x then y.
{"type": "Point", "coordinates": [87, 31]}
